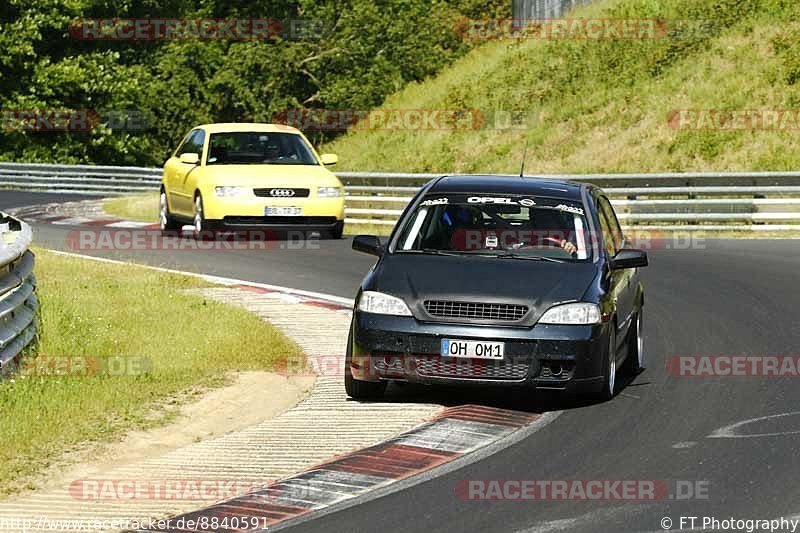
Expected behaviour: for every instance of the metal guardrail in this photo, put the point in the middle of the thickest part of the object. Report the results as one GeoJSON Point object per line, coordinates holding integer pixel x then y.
{"type": "Point", "coordinates": [18, 302]}
{"type": "Point", "coordinates": [734, 201]}
{"type": "Point", "coordinates": [79, 179]}
{"type": "Point", "coordinates": [755, 200]}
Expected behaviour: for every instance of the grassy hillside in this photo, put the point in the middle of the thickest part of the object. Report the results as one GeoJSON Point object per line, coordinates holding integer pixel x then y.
{"type": "Point", "coordinates": [603, 106]}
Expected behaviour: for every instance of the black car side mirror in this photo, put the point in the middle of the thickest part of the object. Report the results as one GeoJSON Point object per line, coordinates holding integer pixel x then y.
{"type": "Point", "coordinates": [368, 244]}
{"type": "Point", "coordinates": [628, 258]}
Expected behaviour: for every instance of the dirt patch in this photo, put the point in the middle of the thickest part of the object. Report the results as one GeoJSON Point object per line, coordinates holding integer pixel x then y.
{"type": "Point", "coordinates": [249, 399]}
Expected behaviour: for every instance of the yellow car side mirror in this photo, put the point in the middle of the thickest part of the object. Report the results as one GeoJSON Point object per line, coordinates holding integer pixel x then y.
{"type": "Point", "coordinates": [329, 159]}
{"type": "Point", "coordinates": [190, 158]}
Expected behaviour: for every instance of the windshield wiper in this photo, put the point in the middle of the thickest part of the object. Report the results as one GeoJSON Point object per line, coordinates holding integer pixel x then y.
{"type": "Point", "coordinates": [431, 251]}
{"type": "Point", "coordinates": [529, 257]}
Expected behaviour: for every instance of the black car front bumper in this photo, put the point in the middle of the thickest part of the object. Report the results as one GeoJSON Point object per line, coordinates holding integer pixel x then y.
{"type": "Point", "coordinates": [569, 358]}
{"type": "Point", "coordinates": [275, 223]}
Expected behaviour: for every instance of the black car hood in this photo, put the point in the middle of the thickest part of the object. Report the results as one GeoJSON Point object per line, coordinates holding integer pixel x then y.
{"type": "Point", "coordinates": [536, 284]}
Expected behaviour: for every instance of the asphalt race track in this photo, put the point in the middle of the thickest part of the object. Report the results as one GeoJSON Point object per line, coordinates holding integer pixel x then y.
{"type": "Point", "coordinates": [717, 298]}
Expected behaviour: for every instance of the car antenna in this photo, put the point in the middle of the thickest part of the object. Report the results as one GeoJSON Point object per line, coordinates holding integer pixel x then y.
{"type": "Point", "coordinates": [524, 156]}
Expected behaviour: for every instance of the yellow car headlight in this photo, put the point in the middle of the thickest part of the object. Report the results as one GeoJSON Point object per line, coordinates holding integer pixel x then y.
{"type": "Point", "coordinates": [230, 191]}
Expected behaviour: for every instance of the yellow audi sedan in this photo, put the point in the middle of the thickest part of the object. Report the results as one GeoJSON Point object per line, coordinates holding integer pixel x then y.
{"type": "Point", "coordinates": [229, 177]}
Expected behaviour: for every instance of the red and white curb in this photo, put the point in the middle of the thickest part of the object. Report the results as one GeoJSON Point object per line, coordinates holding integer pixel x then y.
{"type": "Point", "coordinates": [453, 434]}
{"type": "Point", "coordinates": [83, 213]}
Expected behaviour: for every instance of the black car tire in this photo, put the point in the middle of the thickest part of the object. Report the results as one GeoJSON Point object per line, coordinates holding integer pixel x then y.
{"type": "Point", "coordinates": [337, 231]}
{"type": "Point", "coordinates": [606, 393]}
{"type": "Point", "coordinates": [357, 389]}
{"type": "Point", "coordinates": [634, 363]}
{"type": "Point", "coordinates": [166, 221]}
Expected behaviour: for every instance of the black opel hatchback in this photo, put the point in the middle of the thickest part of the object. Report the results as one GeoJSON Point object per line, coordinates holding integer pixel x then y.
{"type": "Point", "coordinates": [499, 280]}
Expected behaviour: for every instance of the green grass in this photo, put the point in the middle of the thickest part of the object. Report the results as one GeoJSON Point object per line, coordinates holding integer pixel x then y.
{"type": "Point", "coordinates": [140, 207]}
{"type": "Point", "coordinates": [603, 106]}
{"type": "Point", "coordinates": [120, 313]}
{"type": "Point", "coordinates": [368, 229]}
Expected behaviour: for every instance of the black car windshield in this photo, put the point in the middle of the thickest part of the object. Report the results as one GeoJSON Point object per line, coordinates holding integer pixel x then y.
{"type": "Point", "coordinates": [503, 226]}
{"type": "Point", "coordinates": [257, 148]}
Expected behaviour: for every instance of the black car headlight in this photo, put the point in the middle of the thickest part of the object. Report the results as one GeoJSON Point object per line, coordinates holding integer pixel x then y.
{"type": "Point", "coordinates": [581, 313]}
{"type": "Point", "coordinates": [382, 304]}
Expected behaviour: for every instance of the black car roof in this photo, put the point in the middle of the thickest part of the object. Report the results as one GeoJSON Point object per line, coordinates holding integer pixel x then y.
{"type": "Point", "coordinates": [506, 184]}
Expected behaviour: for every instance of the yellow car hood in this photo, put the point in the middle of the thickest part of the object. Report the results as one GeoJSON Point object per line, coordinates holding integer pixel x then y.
{"type": "Point", "coordinates": [300, 176]}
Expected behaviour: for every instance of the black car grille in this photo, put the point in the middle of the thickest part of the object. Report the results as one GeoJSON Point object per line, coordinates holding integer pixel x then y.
{"type": "Point", "coordinates": [282, 192]}
{"type": "Point", "coordinates": [477, 311]}
{"type": "Point", "coordinates": [471, 369]}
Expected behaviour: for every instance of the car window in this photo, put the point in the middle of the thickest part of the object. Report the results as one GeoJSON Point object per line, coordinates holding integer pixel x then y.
{"type": "Point", "coordinates": [182, 145]}
{"type": "Point", "coordinates": [605, 229]}
{"type": "Point", "coordinates": [616, 230]}
{"type": "Point", "coordinates": [497, 225]}
{"type": "Point", "coordinates": [259, 148]}
{"type": "Point", "coordinates": [193, 144]}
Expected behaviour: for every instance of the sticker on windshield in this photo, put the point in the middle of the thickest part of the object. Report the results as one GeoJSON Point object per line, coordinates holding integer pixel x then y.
{"type": "Point", "coordinates": [526, 202]}
{"type": "Point", "coordinates": [437, 201]}
{"type": "Point", "coordinates": [570, 209]}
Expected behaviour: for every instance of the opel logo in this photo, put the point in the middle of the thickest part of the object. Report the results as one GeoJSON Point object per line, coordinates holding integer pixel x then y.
{"type": "Point", "coordinates": [285, 193]}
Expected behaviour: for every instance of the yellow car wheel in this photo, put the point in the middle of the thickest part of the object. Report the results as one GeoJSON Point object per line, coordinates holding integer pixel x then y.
{"type": "Point", "coordinates": [200, 229]}
{"type": "Point", "coordinates": [165, 220]}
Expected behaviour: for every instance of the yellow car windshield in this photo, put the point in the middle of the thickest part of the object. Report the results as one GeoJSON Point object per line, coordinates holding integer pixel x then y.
{"type": "Point", "coordinates": [257, 148]}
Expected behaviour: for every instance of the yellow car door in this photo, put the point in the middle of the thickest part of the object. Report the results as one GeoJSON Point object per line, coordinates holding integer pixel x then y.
{"type": "Point", "coordinates": [187, 163]}
{"type": "Point", "coordinates": [170, 179]}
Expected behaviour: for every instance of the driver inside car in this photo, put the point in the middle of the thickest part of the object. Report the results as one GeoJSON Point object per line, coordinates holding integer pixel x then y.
{"type": "Point", "coordinates": [465, 228]}
{"type": "Point", "coordinates": [551, 226]}
{"type": "Point", "coordinates": [468, 229]}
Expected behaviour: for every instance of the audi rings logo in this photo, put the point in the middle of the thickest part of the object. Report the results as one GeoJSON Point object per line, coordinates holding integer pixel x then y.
{"type": "Point", "coordinates": [283, 193]}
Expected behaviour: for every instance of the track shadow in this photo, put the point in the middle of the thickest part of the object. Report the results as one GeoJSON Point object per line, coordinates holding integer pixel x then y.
{"type": "Point", "coordinates": [514, 398]}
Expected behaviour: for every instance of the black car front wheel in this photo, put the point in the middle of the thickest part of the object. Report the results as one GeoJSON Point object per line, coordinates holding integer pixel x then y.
{"type": "Point", "coordinates": [635, 361]}
{"type": "Point", "coordinates": [355, 388]}
{"type": "Point", "coordinates": [609, 367]}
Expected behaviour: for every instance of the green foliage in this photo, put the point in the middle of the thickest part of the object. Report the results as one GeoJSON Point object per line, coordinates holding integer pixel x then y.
{"type": "Point", "coordinates": [365, 51]}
